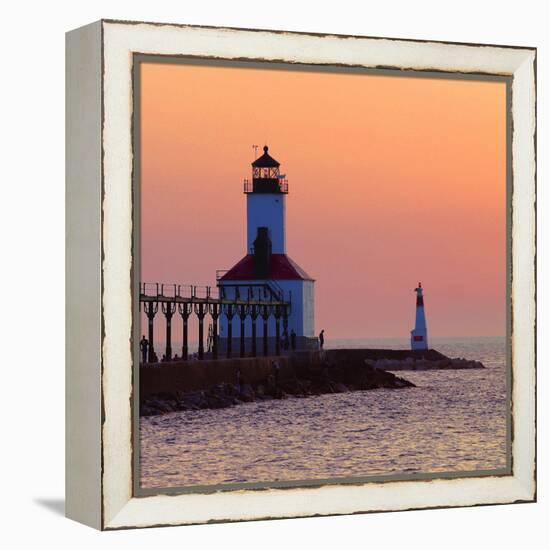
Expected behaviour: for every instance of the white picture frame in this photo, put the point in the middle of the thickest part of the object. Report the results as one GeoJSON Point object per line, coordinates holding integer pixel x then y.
{"type": "Point", "coordinates": [99, 389]}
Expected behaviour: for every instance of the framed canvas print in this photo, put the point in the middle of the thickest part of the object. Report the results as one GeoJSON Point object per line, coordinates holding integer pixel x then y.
{"type": "Point", "coordinates": [300, 274]}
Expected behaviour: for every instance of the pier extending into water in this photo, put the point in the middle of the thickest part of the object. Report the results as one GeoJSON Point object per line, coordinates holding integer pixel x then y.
{"type": "Point", "coordinates": [255, 300]}
{"type": "Point", "coordinates": [182, 385]}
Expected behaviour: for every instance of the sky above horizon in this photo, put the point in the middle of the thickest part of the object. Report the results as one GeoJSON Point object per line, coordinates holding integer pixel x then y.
{"type": "Point", "coordinates": [392, 180]}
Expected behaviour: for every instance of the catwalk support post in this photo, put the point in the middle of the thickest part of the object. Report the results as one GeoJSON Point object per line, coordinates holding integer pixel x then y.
{"type": "Point", "coordinates": [277, 330]}
{"type": "Point", "coordinates": [265, 317]}
{"type": "Point", "coordinates": [254, 312]}
{"type": "Point", "coordinates": [214, 309]}
{"type": "Point", "coordinates": [168, 308]}
{"type": "Point", "coordinates": [201, 310]}
{"type": "Point", "coordinates": [151, 309]}
{"type": "Point", "coordinates": [185, 310]}
{"type": "Point", "coordinates": [229, 311]}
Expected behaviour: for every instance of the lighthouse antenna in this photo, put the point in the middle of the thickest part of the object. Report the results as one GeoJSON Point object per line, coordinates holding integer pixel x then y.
{"type": "Point", "coordinates": [255, 147]}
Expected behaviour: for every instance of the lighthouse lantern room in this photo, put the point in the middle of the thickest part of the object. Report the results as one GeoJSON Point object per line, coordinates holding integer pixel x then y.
{"type": "Point", "coordinates": [266, 266]}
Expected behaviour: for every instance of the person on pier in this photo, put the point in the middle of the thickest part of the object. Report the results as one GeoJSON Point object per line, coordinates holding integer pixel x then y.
{"type": "Point", "coordinates": [322, 339]}
{"type": "Point", "coordinates": [286, 342]}
{"type": "Point", "coordinates": [276, 370]}
{"type": "Point", "coordinates": [293, 340]}
{"type": "Point", "coordinates": [144, 347]}
{"type": "Point", "coordinates": [239, 381]}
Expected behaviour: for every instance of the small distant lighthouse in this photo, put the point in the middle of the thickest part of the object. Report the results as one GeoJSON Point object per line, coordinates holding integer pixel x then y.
{"type": "Point", "coordinates": [419, 336]}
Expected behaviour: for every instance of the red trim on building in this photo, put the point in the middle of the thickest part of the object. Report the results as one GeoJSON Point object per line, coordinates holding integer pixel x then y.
{"type": "Point", "coordinates": [280, 267]}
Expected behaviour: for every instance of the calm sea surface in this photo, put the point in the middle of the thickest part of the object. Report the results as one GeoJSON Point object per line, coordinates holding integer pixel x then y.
{"type": "Point", "coordinates": [452, 421]}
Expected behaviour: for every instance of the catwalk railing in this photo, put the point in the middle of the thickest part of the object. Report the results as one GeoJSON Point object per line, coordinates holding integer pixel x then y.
{"type": "Point", "coordinates": [256, 300]}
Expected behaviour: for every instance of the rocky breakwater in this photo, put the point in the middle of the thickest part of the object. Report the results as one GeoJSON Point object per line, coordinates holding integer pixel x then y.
{"type": "Point", "coordinates": [309, 375]}
{"type": "Point", "coordinates": [400, 360]}
{"type": "Point", "coordinates": [412, 363]}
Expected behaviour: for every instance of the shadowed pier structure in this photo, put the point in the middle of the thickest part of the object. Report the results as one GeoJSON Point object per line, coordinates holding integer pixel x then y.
{"type": "Point", "coordinates": [255, 300]}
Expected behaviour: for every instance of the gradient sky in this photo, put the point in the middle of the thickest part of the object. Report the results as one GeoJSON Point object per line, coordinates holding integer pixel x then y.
{"type": "Point", "coordinates": [392, 180]}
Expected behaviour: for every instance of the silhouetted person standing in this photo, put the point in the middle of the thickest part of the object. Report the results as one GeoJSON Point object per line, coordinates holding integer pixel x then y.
{"type": "Point", "coordinates": [144, 347]}
{"type": "Point", "coordinates": [322, 339]}
{"type": "Point", "coordinates": [292, 339]}
{"type": "Point", "coordinates": [276, 369]}
{"type": "Point", "coordinates": [239, 381]}
{"type": "Point", "coordinates": [285, 339]}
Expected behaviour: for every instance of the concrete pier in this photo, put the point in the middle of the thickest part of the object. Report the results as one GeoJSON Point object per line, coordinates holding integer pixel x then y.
{"type": "Point", "coordinates": [186, 376]}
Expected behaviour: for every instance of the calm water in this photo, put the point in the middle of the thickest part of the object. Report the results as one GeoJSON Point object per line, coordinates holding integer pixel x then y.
{"type": "Point", "coordinates": [452, 421]}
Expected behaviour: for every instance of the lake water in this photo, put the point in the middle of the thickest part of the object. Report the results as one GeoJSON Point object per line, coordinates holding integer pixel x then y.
{"type": "Point", "coordinates": [453, 421]}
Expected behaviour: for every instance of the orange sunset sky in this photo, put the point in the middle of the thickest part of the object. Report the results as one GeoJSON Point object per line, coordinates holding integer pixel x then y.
{"type": "Point", "coordinates": [392, 180]}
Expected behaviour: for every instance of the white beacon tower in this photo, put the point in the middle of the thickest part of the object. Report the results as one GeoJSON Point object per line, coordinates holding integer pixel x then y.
{"type": "Point", "coordinates": [266, 203]}
{"type": "Point", "coordinates": [419, 335]}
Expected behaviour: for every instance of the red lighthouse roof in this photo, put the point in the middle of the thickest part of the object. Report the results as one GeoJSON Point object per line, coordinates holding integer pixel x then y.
{"type": "Point", "coordinates": [280, 267]}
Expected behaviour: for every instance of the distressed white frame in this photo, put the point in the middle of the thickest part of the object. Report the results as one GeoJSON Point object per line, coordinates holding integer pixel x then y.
{"type": "Point", "coordinates": [113, 506]}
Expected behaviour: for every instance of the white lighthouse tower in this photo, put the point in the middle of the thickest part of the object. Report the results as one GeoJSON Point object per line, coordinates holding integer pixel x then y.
{"type": "Point", "coordinates": [266, 266]}
{"type": "Point", "coordinates": [266, 203]}
{"type": "Point", "coordinates": [419, 335]}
